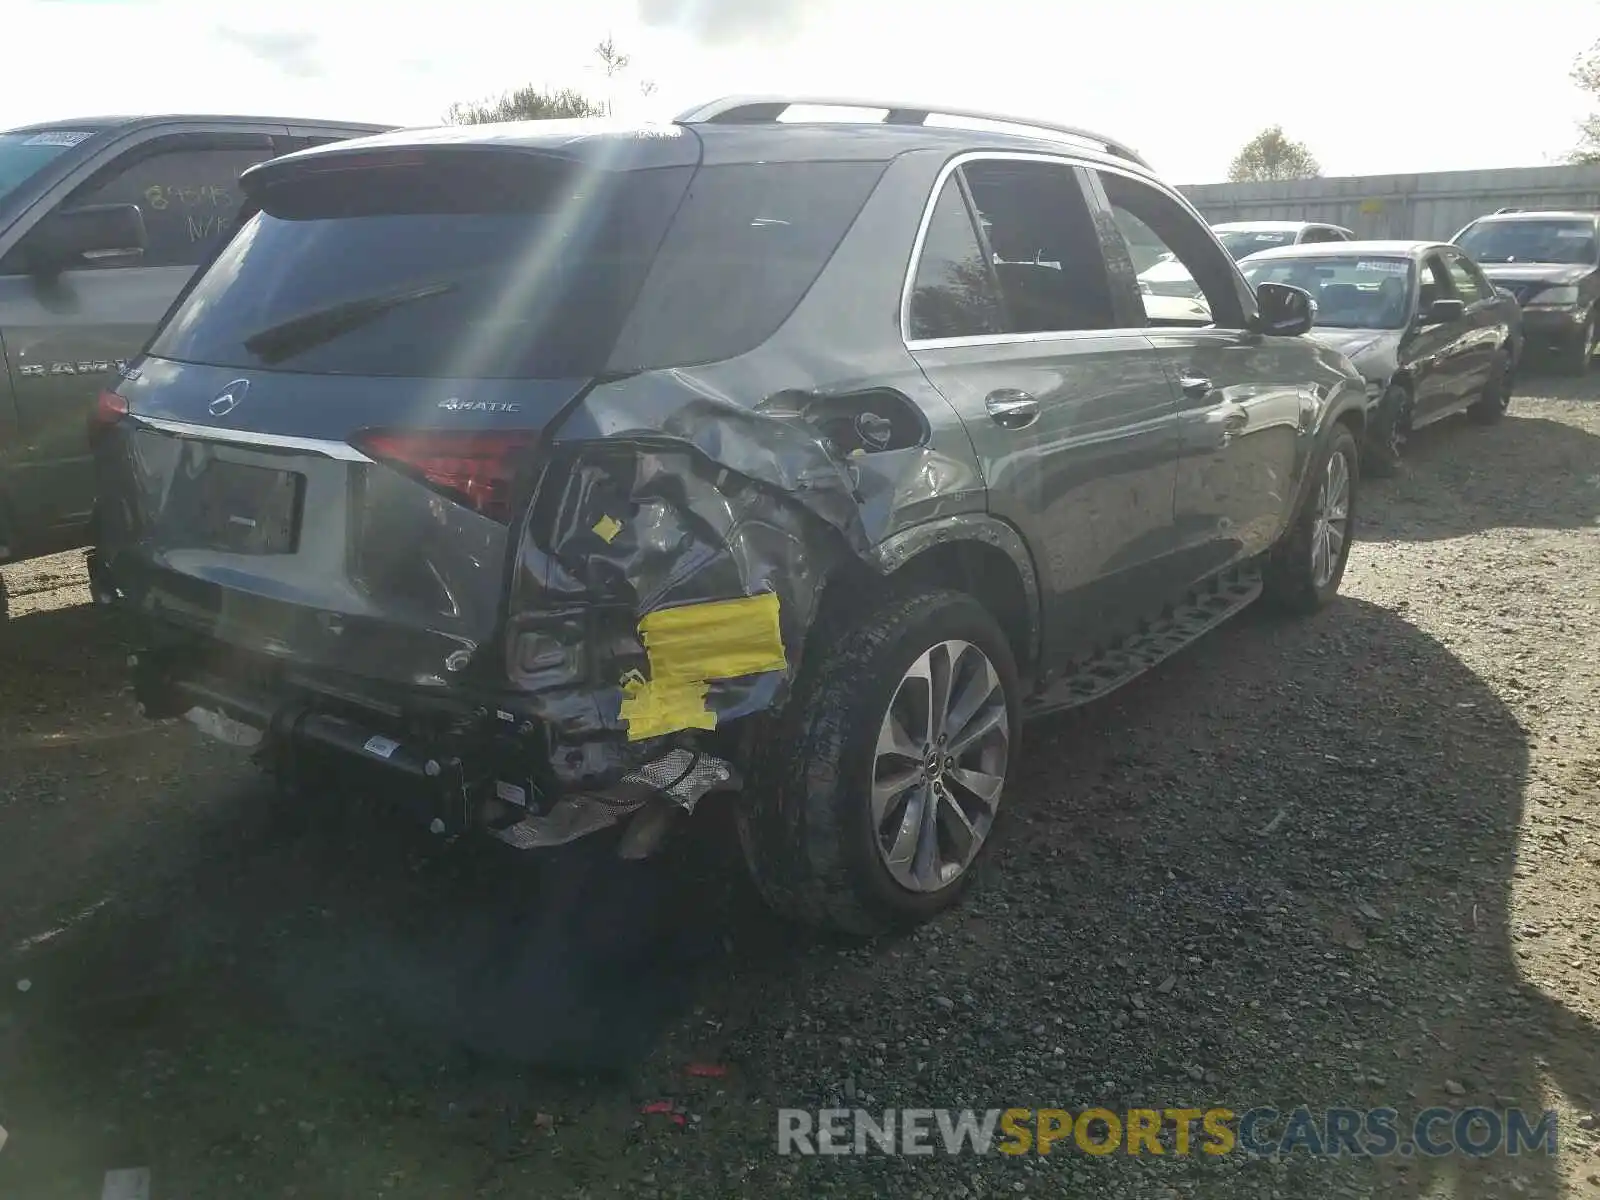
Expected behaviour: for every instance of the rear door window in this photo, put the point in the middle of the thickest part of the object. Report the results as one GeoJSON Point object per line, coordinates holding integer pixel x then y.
{"type": "Point", "coordinates": [1042, 244]}
{"type": "Point", "coordinates": [954, 292]}
{"type": "Point", "coordinates": [497, 265]}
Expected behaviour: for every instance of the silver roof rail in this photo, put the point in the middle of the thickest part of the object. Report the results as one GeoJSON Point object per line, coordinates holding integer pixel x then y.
{"type": "Point", "coordinates": [731, 110]}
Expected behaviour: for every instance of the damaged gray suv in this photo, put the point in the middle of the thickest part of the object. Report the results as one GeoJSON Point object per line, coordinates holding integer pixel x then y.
{"type": "Point", "coordinates": [551, 476]}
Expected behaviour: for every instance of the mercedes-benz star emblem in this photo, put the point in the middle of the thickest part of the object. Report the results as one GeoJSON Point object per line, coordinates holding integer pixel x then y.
{"type": "Point", "coordinates": [230, 398]}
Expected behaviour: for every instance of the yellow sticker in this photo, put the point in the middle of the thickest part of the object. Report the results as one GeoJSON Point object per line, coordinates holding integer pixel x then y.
{"type": "Point", "coordinates": [607, 528]}
{"type": "Point", "coordinates": [688, 647]}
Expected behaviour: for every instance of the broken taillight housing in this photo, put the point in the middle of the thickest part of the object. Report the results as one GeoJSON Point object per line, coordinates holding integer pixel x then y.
{"type": "Point", "coordinates": [109, 408]}
{"type": "Point", "coordinates": [477, 469]}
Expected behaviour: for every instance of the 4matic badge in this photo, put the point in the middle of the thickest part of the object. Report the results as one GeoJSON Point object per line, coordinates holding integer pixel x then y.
{"type": "Point", "coordinates": [456, 404]}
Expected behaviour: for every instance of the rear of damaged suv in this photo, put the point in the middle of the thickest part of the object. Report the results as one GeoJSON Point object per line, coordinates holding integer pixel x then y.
{"type": "Point", "coordinates": [472, 464]}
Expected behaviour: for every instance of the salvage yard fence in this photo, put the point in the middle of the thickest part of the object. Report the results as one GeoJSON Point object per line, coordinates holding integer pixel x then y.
{"type": "Point", "coordinates": [1433, 206]}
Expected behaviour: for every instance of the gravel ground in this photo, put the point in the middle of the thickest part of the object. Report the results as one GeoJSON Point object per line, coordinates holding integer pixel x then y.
{"type": "Point", "coordinates": [1354, 860]}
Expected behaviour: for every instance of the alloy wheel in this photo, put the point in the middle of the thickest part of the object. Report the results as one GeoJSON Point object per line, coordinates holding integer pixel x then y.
{"type": "Point", "coordinates": [1332, 520]}
{"type": "Point", "coordinates": [943, 748]}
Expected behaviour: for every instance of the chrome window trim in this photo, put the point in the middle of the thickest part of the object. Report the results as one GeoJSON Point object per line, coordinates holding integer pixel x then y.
{"type": "Point", "coordinates": [1012, 339]}
{"type": "Point", "coordinates": [323, 448]}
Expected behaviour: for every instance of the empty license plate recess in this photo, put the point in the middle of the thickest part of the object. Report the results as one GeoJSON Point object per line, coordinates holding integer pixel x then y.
{"type": "Point", "coordinates": [248, 510]}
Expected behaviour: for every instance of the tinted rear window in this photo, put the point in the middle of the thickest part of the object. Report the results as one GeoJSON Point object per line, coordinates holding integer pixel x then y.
{"type": "Point", "coordinates": [516, 267]}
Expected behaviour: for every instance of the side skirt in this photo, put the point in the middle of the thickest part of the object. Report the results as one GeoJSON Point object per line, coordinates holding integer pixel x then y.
{"type": "Point", "coordinates": [1201, 612]}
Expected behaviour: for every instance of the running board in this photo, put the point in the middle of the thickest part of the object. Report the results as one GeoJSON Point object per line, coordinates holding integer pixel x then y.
{"type": "Point", "coordinates": [1203, 611]}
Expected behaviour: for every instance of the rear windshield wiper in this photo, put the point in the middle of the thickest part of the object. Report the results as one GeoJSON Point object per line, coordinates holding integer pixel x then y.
{"type": "Point", "coordinates": [288, 338]}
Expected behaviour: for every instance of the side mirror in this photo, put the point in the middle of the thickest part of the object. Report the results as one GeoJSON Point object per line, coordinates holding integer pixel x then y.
{"type": "Point", "coordinates": [1442, 312]}
{"type": "Point", "coordinates": [77, 235]}
{"type": "Point", "coordinates": [1285, 311]}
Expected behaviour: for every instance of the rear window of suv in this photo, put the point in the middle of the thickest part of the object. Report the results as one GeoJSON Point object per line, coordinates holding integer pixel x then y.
{"type": "Point", "coordinates": [514, 266]}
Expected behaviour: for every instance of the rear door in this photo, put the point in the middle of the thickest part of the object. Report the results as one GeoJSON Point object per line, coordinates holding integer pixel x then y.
{"type": "Point", "coordinates": [66, 335]}
{"type": "Point", "coordinates": [1245, 400]}
{"type": "Point", "coordinates": [1010, 316]}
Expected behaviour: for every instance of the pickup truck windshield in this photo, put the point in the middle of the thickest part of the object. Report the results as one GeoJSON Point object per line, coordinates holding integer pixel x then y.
{"type": "Point", "coordinates": [24, 155]}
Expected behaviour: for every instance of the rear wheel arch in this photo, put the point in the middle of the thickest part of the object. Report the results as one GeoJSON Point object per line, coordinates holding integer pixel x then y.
{"type": "Point", "coordinates": [1355, 420]}
{"type": "Point", "coordinates": [980, 556]}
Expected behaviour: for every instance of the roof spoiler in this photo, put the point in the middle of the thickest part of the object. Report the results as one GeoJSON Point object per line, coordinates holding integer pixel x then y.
{"type": "Point", "coordinates": [734, 110]}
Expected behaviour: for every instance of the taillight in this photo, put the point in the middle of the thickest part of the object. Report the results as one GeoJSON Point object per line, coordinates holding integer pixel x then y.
{"type": "Point", "coordinates": [475, 469]}
{"type": "Point", "coordinates": [109, 408]}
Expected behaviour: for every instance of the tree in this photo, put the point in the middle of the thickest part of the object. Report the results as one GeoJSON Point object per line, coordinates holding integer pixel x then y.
{"type": "Point", "coordinates": [1270, 155]}
{"type": "Point", "coordinates": [532, 103]}
{"type": "Point", "coordinates": [526, 104]}
{"type": "Point", "coordinates": [1586, 74]}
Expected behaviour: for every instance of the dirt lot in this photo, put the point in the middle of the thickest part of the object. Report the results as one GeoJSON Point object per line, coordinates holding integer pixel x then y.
{"type": "Point", "coordinates": [1349, 861]}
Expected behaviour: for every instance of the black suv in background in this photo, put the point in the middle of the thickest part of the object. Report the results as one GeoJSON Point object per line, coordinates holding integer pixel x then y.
{"type": "Point", "coordinates": [1550, 262]}
{"type": "Point", "coordinates": [556, 474]}
{"type": "Point", "coordinates": [102, 221]}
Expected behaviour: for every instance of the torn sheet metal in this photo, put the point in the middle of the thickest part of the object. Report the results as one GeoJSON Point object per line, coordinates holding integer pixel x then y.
{"type": "Point", "coordinates": [672, 564]}
{"type": "Point", "coordinates": [657, 594]}
{"type": "Point", "coordinates": [681, 777]}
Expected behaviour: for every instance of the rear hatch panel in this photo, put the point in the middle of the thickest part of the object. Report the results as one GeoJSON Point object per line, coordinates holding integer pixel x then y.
{"type": "Point", "coordinates": [283, 538]}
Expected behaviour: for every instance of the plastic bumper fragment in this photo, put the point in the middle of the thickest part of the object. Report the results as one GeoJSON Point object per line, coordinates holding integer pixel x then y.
{"type": "Point", "coordinates": [680, 776]}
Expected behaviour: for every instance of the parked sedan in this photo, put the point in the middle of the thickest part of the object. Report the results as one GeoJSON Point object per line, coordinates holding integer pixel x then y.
{"type": "Point", "coordinates": [1167, 277]}
{"type": "Point", "coordinates": [1424, 326]}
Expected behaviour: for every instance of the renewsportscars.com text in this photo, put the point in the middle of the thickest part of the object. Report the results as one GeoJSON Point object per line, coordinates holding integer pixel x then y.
{"type": "Point", "coordinates": [1333, 1132]}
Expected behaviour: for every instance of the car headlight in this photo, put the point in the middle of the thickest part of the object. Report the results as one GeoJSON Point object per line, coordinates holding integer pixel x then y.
{"type": "Point", "coordinates": [1565, 293]}
{"type": "Point", "coordinates": [1146, 288]}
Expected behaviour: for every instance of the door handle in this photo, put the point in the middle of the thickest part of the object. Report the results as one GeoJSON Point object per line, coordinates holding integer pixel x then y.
{"type": "Point", "coordinates": [1012, 408]}
{"type": "Point", "coordinates": [1195, 387]}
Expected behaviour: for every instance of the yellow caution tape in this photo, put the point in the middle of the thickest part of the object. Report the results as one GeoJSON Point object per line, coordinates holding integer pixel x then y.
{"type": "Point", "coordinates": [607, 527]}
{"type": "Point", "coordinates": [688, 647]}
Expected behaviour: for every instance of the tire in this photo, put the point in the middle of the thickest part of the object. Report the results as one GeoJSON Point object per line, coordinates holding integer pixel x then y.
{"type": "Point", "coordinates": [1294, 580]}
{"type": "Point", "coordinates": [1496, 398]}
{"type": "Point", "coordinates": [1386, 436]}
{"type": "Point", "coordinates": [1577, 353]}
{"type": "Point", "coordinates": [806, 823]}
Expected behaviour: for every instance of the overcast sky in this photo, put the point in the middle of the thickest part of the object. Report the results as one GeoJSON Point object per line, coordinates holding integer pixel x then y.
{"type": "Point", "coordinates": [1372, 87]}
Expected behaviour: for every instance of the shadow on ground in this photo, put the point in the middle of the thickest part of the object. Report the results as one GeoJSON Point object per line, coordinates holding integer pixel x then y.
{"type": "Point", "coordinates": [1312, 829]}
{"type": "Point", "coordinates": [304, 1010]}
{"type": "Point", "coordinates": [1325, 859]}
{"type": "Point", "coordinates": [1461, 478]}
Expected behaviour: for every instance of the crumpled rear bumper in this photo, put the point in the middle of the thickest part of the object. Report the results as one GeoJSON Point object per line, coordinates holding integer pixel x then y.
{"type": "Point", "coordinates": [454, 767]}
